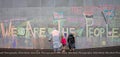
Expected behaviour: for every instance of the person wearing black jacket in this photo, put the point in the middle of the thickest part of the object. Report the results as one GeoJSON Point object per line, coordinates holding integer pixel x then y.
{"type": "Point", "coordinates": [71, 42]}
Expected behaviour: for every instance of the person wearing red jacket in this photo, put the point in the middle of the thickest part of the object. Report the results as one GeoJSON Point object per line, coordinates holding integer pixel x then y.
{"type": "Point", "coordinates": [63, 41]}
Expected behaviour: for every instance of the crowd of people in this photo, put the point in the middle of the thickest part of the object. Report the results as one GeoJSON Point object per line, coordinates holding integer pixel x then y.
{"type": "Point", "coordinates": [60, 43]}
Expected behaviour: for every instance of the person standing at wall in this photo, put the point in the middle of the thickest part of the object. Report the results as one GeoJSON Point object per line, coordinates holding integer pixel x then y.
{"type": "Point", "coordinates": [56, 40]}
{"type": "Point", "coordinates": [63, 41]}
{"type": "Point", "coordinates": [71, 42]}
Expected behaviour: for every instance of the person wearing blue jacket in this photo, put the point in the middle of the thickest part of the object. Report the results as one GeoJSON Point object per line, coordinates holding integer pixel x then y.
{"type": "Point", "coordinates": [56, 40]}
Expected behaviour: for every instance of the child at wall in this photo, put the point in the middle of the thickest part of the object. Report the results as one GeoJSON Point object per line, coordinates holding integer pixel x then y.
{"type": "Point", "coordinates": [63, 41]}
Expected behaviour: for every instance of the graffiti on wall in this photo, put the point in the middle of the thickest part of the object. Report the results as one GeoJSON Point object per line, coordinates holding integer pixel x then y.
{"type": "Point", "coordinates": [85, 26]}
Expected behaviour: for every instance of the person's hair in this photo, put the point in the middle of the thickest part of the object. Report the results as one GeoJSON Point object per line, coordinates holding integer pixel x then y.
{"type": "Point", "coordinates": [62, 36]}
